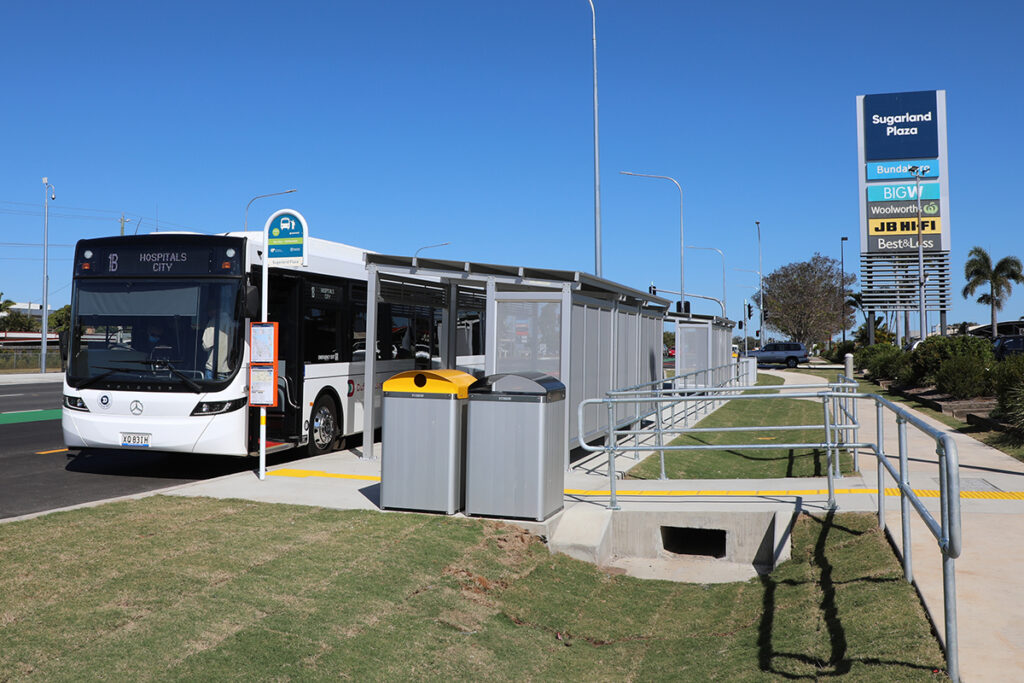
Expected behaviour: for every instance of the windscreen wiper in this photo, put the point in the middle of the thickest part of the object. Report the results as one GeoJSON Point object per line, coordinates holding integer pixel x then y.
{"type": "Point", "coordinates": [103, 375]}
{"type": "Point", "coordinates": [165, 364]}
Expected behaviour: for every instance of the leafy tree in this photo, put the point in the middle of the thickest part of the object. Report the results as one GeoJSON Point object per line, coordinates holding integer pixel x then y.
{"type": "Point", "coordinates": [60, 319]}
{"type": "Point", "coordinates": [18, 322]}
{"type": "Point", "coordinates": [5, 304]}
{"type": "Point", "coordinates": [806, 301]}
{"type": "Point", "coordinates": [979, 271]}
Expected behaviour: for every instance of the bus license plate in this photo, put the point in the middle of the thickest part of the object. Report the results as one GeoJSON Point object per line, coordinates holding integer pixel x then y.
{"type": "Point", "coordinates": [135, 439]}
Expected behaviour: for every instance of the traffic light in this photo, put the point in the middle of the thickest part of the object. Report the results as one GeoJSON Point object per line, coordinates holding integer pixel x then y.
{"type": "Point", "coordinates": [653, 290]}
{"type": "Point", "coordinates": [750, 311]}
{"type": "Point", "coordinates": [740, 323]}
{"type": "Point", "coordinates": [757, 334]}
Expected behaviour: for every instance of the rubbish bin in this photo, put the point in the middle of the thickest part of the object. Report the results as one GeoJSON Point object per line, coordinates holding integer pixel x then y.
{"type": "Point", "coordinates": [423, 440]}
{"type": "Point", "coordinates": [515, 446]}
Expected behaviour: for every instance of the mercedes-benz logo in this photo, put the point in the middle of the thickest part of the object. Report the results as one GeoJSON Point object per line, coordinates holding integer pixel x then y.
{"type": "Point", "coordinates": [136, 407]}
{"type": "Point", "coordinates": [105, 400]}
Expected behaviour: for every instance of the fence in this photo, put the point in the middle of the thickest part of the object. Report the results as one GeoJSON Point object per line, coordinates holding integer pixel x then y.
{"type": "Point", "coordinates": [26, 358]}
{"type": "Point", "coordinates": [675, 402]}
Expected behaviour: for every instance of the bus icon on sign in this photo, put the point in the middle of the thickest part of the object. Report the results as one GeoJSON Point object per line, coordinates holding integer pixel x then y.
{"type": "Point", "coordinates": [287, 223]}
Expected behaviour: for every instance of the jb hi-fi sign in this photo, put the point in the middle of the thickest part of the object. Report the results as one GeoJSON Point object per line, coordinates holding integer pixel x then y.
{"type": "Point", "coordinates": [902, 136]}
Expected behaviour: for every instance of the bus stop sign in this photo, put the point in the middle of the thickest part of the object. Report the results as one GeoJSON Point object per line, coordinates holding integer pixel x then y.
{"type": "Point", "coordinates": [286, 234]}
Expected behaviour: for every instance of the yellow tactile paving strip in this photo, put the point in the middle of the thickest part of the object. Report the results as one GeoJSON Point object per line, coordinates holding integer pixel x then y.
{"type": "Point", "coordinates": [688, 493]}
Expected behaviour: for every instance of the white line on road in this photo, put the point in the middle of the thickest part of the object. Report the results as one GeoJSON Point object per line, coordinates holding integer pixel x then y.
{"type": "Point", "coordinates": [10, 395]}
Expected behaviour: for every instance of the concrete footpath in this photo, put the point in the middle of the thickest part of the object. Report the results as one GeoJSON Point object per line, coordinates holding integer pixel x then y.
{"type": "Point", "coordinates": [989, 576]}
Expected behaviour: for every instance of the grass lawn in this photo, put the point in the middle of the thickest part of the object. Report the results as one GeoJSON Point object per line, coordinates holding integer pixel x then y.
{"type": "Point", "coordinates": [1008, 443]}
{"type": "Point", "coordinates": [746, 463]}
{"type": "Point", "coordinates": [183, 589]}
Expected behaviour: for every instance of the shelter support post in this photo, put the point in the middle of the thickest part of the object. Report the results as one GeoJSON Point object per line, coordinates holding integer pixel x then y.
{"type": "Point", "coordinates": [370, 359]}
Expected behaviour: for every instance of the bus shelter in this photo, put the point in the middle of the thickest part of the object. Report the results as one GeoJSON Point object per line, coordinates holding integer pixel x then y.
{"type": "Point", "coordinates": [703, 343]}
{"type": "Point", "coordinates": [593, 334]}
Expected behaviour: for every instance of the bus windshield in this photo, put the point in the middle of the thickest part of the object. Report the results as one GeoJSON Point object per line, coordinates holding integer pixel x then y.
{"type": "Point", "coordinates": [128, 334]}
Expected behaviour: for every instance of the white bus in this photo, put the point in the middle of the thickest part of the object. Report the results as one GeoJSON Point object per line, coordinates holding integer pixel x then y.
{"type": "Point", "coordinates": [158, 355]}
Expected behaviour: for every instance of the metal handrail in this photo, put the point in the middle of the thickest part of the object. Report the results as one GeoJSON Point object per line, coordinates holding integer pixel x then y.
{"type": "Point", "coordinates": [839, 400]}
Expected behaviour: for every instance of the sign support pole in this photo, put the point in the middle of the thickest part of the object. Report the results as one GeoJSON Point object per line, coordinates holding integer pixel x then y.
{"type": "Point", "coordinates": [286, 246]}
{"type": "Point", "coordinates": [264, 290]}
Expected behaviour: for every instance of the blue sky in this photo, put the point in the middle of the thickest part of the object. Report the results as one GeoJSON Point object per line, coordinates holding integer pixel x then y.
{"type": "Point", "coordinates": [404, 124]}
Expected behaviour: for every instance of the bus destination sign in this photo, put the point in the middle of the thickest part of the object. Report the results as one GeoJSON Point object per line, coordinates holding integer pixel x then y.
{"type": "Point", "coordinates": [157, 261]}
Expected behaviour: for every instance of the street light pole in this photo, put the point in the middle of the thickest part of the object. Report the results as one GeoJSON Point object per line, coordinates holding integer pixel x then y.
{"type": "Point", "coordinates": [842, 285]}
{"type": "Point", "coordinates": [597, 160]}
{"type": "Point", "coordinates": [260, 196]}
{"type": "Point", "coordinates": [48, 194]}
{"type": "Point", "coordinates": [760, 281]}
{"type": "Point", "coordinates": [415, 257]}
{"type": "Point", "coordinates": [720, 253]}
{"type": "Point", "coordinates": [682, 247]}
{"type": "Point", "coordinates": [917, 171]}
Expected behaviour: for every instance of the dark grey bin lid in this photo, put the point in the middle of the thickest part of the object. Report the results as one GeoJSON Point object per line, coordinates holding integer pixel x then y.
{"type": "Point", "coordinates": [529, 383]}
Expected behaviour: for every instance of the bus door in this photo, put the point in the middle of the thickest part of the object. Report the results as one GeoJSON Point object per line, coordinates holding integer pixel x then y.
{"type": "Point", "coordinates": [284, 423]}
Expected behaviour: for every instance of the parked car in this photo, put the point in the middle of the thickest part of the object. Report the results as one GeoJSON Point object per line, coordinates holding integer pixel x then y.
{"type": "Point", "coordinates": [780, 353]}
{"type": "Point", "coordinates": [1010, 345]}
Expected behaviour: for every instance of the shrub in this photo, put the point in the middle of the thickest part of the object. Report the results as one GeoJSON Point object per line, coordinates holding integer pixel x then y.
{"type": "Point", "coordinates": [1015, 408]}
{"type": "Point", "coordinates": [1006, 375]}
{"type": "Point", "coordinates": [837, 353]}
{"type": "Point", "coordinates": [882, 361]}
{"type": "Point", "coordinates": [863, 357]}
{"type": "Point", "coordinates": [933, 353]}
{"type": "Point", "coordinates": [963, 377]}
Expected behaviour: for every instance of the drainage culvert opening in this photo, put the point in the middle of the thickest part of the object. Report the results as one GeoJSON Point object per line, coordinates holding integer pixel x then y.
{"type": "Point", "coordinates": [688, 541]}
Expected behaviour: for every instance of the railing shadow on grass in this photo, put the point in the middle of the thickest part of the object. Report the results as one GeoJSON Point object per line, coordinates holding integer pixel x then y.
{"type": "Point", "coordinates": [838, 662]}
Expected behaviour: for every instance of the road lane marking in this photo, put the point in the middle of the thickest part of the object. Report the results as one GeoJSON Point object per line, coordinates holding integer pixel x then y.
{"type": "Point", "coordinates": [57, 450]}
{"type": "Point", "coordinates": [10, 395]}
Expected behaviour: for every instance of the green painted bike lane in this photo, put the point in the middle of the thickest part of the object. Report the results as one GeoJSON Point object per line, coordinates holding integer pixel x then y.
{"type": "Point", "coordinates": [29, 416]}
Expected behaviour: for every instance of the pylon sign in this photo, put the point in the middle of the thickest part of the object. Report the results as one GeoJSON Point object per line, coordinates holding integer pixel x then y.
{"type": "Point", "coordinates": [901, 136]}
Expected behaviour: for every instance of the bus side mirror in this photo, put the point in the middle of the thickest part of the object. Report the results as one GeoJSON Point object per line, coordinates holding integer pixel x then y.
{"type": "Point", "coordinates": [252, 302]}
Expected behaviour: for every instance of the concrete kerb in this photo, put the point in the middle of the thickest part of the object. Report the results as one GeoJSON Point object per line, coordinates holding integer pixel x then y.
{"type": "Point", "coordinates": [31, 377]}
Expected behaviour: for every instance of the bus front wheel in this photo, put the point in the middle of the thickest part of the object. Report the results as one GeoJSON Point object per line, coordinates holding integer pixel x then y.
{"type": "Point", "coordinates": [323, 426]}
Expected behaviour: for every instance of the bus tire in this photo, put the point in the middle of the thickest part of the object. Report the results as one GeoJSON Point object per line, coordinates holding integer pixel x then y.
{"type": "Point", "coordinates": [323, 426]}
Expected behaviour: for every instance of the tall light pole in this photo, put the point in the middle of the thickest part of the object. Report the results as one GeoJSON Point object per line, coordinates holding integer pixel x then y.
{"type": "Point", "coordinates": [720, 253]}
{"type": "Point", "coordinates": [260, 196]}
{"type": "Point", "coordinates": [842, 285]}
{"type": "Point", "coordinates": [918, 171]}
{"type": "Point", "coordinates": [597, 160]}
{"type": "Point", "coordinates": [760, 281]}
{"type": "Point", "coordinates": [682, 247]}
{"type": "Point", "coordinates": [48, 194]}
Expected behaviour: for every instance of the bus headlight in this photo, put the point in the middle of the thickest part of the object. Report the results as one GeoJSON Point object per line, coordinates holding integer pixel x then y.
{"type": "Point", "coordinates": [75, 403]}
{"type": "Point", "coordinates": [218, 407]}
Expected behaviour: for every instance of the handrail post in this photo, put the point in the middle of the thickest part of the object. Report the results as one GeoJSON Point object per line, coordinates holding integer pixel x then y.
{"type": "Point", "coordinates": [613, 503]}
{"type": "Point", "coordinates": [908, 565]}
{"type": "Point", "coordinates": [856, 429]}
{"type": "Point", "coordinates": [879, 456]}
{"type": "Point", "coordinates": [828, 457]}
{"type": "Point", "coordinates": [949, 487]}
{"type": "Point", "coordinates": [660, 438]}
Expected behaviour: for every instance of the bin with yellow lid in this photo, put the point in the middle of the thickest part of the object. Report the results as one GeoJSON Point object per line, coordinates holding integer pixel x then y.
{"type": "Point", "coordinates": [423, 450]}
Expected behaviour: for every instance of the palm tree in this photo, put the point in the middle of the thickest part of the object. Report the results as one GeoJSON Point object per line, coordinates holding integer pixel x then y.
{"type": "Point", "coordinates": [978, 271]}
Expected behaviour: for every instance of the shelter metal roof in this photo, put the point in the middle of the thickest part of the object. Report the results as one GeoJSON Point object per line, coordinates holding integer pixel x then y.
{"type": "Point", "coordinates": [481, 272]}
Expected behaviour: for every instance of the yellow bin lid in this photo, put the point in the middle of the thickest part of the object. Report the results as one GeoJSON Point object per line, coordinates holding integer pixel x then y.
{"type": "Point", "coordinates": [431, 382]}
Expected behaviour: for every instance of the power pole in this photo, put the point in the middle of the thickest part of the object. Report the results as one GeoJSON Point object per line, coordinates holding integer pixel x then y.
{"type": "Point", "coordinates": [123, 221]}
